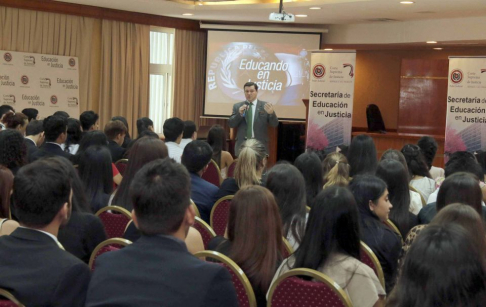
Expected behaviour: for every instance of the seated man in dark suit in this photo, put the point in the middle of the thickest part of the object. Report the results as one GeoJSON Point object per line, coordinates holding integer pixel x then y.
{"type": "Point", "coordinates": [89, 121]}
{"type": "Point", "coordinates": [33, 265]}
{"type": "Point", "coordinates": [195, 158]}
{"type": "Point", "coordinates": [55, 131]}
{"type": "Point", "coordinates": [157, 270]}
{"type": "Point", "coordinates": [34, 136]}
{"type": "Point", "coordinates": [115, 132]}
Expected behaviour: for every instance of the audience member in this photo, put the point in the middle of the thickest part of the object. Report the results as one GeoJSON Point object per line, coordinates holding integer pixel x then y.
{"type": "Point", "coordinates": [418, 170]}
{"type": "Point", "coordinates": [195, 158]}
{"type": "Point", "coordinates": [74, 135]}
{"type": "Point", "coordinates": [158, 269]}
{"type": "Point", "coordinates": [253, 212]}
{"type": "Point", "coordinates": [89, 121]}
{"type": "Point", "coordinates": [173, 129]}
{"type": "Point", "coordinates": [343, 149]}
{"type": "Point", "coordinates": [55, 131]}
{"type": "Point", "coordinates": [335, 168]}
{"type": "Point", "coordinates": [217, 140]}
{"type": "Point", "coordinates": [34, 266]}
{"type": "Point", "coordinates": [393, 154]}
{"type": "Point", "coordinates": [481, 158]}
{"type": "Point", "coordinates": [144, 124]}
{"type": "Point", "coordinates": [248, 169]}
{"type": "Point", "coordinates": [13, 152]}
{"type": "Point", "coordinates": [331, 245]}
{"type": "Point", "coordinates": [4, 109]}
{"type": "Point", "coordinates": [429, 146]}
{"type": "Point", "coordinates": [17, 121]}
{"type": "Point", "coordinates": [374, 206]}
{"type": "Point", "coordinates": [288, 186]}
{"type": "Point", "coordinates": [31, 113]}
{"type": "Point", "coordinates": [127, 139]}
{"type": "Point", "coordinates": [362, 156]}
{"type": "Point", "coordinates": [84, 231]}
{"type": "Point", "coordinates": [444, 267]}
{"type": "Point", "coordinates": [116, 132]}
{"type": "Point", "coordinates": [6, 183]}
{"type": "Point", "coordinates": [396, 179]}
{"type": "Point", "coordinates": [189, 134]}
{"type": "Point", "coordinates": [96, 173]}
{"type": "Point", "coordinates": [34, 137]}
{"type": "Point", "coordinates": [310, 166]}
{"type": "Point", "coordinates": [62, 114]}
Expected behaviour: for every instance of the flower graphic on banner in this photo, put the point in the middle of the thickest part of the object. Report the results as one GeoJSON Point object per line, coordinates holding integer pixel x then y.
{"type": "Point", "coordinates": [453, 142]}
{"type": "Point", "coordinates": [316, 139]}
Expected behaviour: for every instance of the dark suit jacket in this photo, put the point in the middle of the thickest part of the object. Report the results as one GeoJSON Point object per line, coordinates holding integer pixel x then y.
{"type": "Point", "coordinates": [39, 273]}
{"type": "Point", "coordinates": [261, 121]}
{"type": "Point", "coordinates": [159, 271]}
{"type": "Point", "coordinates": [202, 194]}
{"type": "Point", "coordinates": [31, 147]}
{"type": "Point", "coordinates": [116, 151]}
{"type": "Point", "coordinates": [49, 150]}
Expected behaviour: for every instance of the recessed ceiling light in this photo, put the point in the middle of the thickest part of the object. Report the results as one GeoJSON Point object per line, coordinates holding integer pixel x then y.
{"type": "Point", "coordinates": [314, 8]}
{"type": "Point", "coordinates": [300, 15]}
{"type": "Point", "coordinates": [187, 14]}
{"type": "Point", "coordinates": [407, 2]}
{"type": "Point", "coordinates": [437, 48]}
{"type": "Point", "coordinates": [431, 42]}
{"type": "Point", "coordinates": [328, 49]}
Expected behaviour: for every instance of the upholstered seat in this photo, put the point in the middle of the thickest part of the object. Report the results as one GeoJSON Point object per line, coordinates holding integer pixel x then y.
{"type": "Point", "coordinates": [115, 219]}
{"type": "Point", "coordinates": [213, 174]}
{"type": "Point", "coordinates": [369, 258]}
{"type": "Point", "coordinates": [121, 165]}
{"type": "Point", "coordinates": [220, 214]}
{"type": "Point", "coordinates": [8, 300]}
{"type": "Point", "coordinates": [207, 233]}
{"type": "Point", "coordinates": [109, 245]}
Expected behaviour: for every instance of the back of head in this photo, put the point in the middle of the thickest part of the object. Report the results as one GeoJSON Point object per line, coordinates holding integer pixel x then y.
{"type": "Point", "coordinates": [92, 138]}
{"type": "Point", "coordinates": [393, 154]}
{"type": "Point", "coordinates": [88, 119]}
{"type": "Point", "coordinates": [6, 184]}
{"type": "Point", "coordinates": [96, 172]}
{"type": "Point", "coordinates": [481, 158]}
{"type": "Point", "coordinates": [173, 128]}
{"type": "Point", "coordinates": [160, 193]}
{"type": "Point", "coordinates": [143, 124]}
{"type": "Point", "coordinates": [62, 114]}
{"type": "Point", "coordinates": [54, 126]}
{"type": "Point", "coordinates": [463, 161]}
{"type": "Point", "coordinates": [123, 120]}
{"type": "Point", "coordinates": [40, 190]}
{"type": "Point", "coordinates": [333, 226]}
{"type": "Point", "coordinates": [460, 188]}
{"type": "Point", "coordinates": [189, 129]}
{"type": "Point", "coordinates": [5, 109]}
{"type": "Point", "coordinates": [288, 186]}
{"type": "Point", "coordinates": [255, 230]}
{"type": "Point", "coordinates": [196, 156]}
{"type": "Point", "coordinates": [445, 258]}
{"type": "Point", "coordinates": [362, 155]}
{"type": "Point", "coordinates": [74, 133]}
{"type": "Point", "coordinates": [310, 166]}
{"type": "Point", "coordinates": [79, 202]}
{"type": "Point", "coordinates": [115, 128]}
{"type": "Point", "coordinates": [415, 161]}
{"type": "Point", "coordinates": [216, 138]}
{"type": "Point", "coordinates": [366, 188]}
{"type": "Point", "coordinates": [250, 163]}
{"type": "Point", "coordinates": [336, 169]}
{"type": "Point", "coordinates": [34, 127]}
{"type": "Point", "coordinates": [428, 145]}
{"type": "Point", "coordinates": [12, 148]}
{"type": "Point", "coordinates": [31, 113]}
{"type": "Point", "coordinates": [14, 120]}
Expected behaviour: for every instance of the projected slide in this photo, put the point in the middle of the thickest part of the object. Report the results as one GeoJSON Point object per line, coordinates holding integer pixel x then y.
{"type": "Point", "coordinates": [278, 62]}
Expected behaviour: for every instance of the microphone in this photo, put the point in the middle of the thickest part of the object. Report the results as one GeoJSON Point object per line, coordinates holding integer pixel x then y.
{"type": "Point", "coordinates": [247, 105]}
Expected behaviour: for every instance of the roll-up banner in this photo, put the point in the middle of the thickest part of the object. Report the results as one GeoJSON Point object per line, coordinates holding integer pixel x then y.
{"type": "Point", "coordinates": [466, 105]}
{"type": "Point", "coordinates": [330, 100]}
{"type": "Point", "coordinates": [48, 83]}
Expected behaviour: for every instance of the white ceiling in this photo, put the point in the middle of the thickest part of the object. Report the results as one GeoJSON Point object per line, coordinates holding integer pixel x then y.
{"type": "Point", "coordinates": [332, 12]}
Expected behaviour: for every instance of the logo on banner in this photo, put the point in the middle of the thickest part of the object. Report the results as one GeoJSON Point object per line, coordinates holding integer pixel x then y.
{"type": "Point", "coordinates": [351, 71]}
{"type": "Point", "coordinates": [5, 81]}
{"type": "Point", "coordinates": [72, 62]}
{"type": "Point", "coordinates": [29, 60]}
{"type": "Point", "coordinates": [24, 79]}
{"type": "Point", "coordinates": [7, 57]}
{"type": "Point", "coordinates": [319, 71]}
{"type": "Point", "coordinates": [9, 99]}
{"type": "Point", "coordinates": [457, 76]}
{"type": "Point", "coordinates": [33, 100]}
{"type": "Point", "coordinates": [53, 99]}
{"type": "Point", "coordinates": [52, 61]}
{"type": "Point", "coordinates": [45, 83]}
{"type": "Point", "coordinates": [72, 102]}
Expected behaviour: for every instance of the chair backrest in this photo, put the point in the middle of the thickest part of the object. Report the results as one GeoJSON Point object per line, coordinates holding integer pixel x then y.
{"type": "Point", "coordinates": [244, 291]}
{"type": "Point", "coordinates": [388, 223]}
{"type": "Point", "coordinates": [8, 300]}
{"type": "Point", "coordinates": [231, 169]}
{"type": "Point", "coordinates": [424, 201]}
{"type": "Point", "coordinates": [288, 248]}
{"type": "Point", "coordinates": [369, 258]}
{"type": "Point", "coordinates": [115, 222]}
{"type": "Point", "coordinates": [109, 245]}
{"type": "Point", "coordinates": [195, 209]}
{"type": "Point", "coordinates": [219, 215]}
{"type": "Point", "coordinates": [291, 291]}
{"type": "Point", "coordinates": [213, 174]}
{"type": "Point", "coordinates": [207, 233]}
{"type": "Point", "coordinates": [121, 165]}
{"type": "Point", "coordinates": [307, 209]}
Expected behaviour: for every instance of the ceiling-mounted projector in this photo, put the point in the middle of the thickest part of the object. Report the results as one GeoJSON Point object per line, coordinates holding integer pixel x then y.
{"type": "Point", "coordinates": [281, 17]}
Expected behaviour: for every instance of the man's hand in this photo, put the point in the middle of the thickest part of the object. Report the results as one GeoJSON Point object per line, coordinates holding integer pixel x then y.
{"type": "Point", "coordinates": [243, 109]}
{"type": "Point", "coordinates": [269, 108]}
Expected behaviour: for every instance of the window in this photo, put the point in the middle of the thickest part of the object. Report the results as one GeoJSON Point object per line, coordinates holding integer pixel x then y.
{"type": "Point", "coordinates": [161, 72]}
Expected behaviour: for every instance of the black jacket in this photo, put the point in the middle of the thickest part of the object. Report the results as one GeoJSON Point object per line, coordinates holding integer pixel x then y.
{"type": "Point", "coordinates": [49, 150]}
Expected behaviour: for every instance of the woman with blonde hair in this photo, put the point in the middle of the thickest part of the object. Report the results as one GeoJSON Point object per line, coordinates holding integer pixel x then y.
{"type": "Point", "coordinates": [336, 170]}
{"type": "Point", "coordinates": [248, 171]}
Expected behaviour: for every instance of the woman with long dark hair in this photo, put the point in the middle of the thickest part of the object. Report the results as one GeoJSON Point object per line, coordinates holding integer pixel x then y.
{"type": "Point", "coordinates": [310, 166]}
{"type": "Point", "coordinates": [288, 186]}
{"type": "Point", "coordinates": [418, 170]}
{"type": "Point", "coordinates": [96, 174]}
{"type": "Point", "coordinates": [12, 150]}
{"type": "Point", "coordinates": [396, 179]}
{"type": "Point", "coordinates": [362, 156]}
{"type": "Point", "coordinates": [331, 245]}
{"type": "Point", "coordinates": [254, 237]}
{"type": "Point", "coordinates": [428, 146]}
{"type": "Point", "coordinates": [74, 135]}
{"type": "Point", "coordinates": [217, 140]}
{"type": "Point", "coordinates": [6, 183]}
{"type": "Point", "coordinates": [371, 196]}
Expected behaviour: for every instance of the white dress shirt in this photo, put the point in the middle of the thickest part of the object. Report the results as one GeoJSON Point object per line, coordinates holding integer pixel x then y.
{"type": "Point", "coordinates": [175, 151]}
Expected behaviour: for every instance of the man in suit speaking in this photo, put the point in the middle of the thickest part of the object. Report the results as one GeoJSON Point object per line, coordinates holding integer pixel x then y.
{"type": "Point", "coordinates": [251, 117]}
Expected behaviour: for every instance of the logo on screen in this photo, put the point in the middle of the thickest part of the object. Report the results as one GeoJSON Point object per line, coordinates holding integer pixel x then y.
{"type": "Point", "coordinates": [72, 62]}
{"type": "Point", "coordinates": [53, 99]}
{"type": "Point", "coordinates": [319, 71]}
{"type": "Point", "coordinates": [456, 76]}
{"type": "Point", "coordinates": [24, 79]}
{"type": "Point", "coordinates": [7, 57]}
{"type": "Point", "coordinates": [351, 71]}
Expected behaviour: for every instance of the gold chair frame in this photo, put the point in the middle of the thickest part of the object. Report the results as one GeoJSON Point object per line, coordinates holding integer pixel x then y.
{"type": "Point", "coordinates": [218, 169]}
{"type": "Point", "coordinates": [287, 246]}
{"type": "Point", "coordinates": [121, 210]}
{"type": "Point", "coordinates": [394, 227]}
{"type": "Point", "coordinates": [10, 297]}
{"type": "Point", "coordinates": [122, 160]}
{"type": "Point", "coordinates": [120, 241]}
{"type": "Point", "coordinates": [195, 209]}
{"type": "Point", "coordinates": [239, 272]}
{"type": "Point", "coordinates": [318, 276]}
{"type": "Point", "coordinates": [129, 223]}
{"type": "Point", "coordinates": [365, 248]}
{"type": "Point", "coordinates": [228, 197]}
{"type": "Point", "coordinates": [205, 226]}
{"type": "Point", "coordinates": [307, 209]}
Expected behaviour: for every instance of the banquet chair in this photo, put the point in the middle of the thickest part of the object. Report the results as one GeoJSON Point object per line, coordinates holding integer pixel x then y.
{"type": "Point", "coordinates": [369, 258]}
{"type": "Point", "coordinates": [207, 233]}
{"type": "Point", "coordinates": [219, 215]}
{"type": "Point", "coordinates": [213, 174]}
{"type": "Point", "coordinates": [109, 245]}
{"type": "Point", "coordinates": [115, 219]}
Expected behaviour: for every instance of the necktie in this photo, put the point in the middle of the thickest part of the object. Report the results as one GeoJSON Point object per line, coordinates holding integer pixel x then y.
{"type": "Point", "coordinates": [249, 122]}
